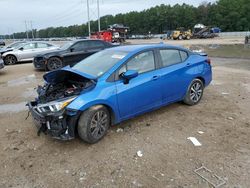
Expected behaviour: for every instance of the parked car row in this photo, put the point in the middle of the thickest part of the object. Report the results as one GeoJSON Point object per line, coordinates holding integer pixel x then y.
{"type": "Point", "coordinates": [47, 56]}
{"type": "Point", "coordinates": [69, 54]}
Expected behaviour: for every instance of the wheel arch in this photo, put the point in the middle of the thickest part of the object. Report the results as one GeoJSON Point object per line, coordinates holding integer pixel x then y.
{"type": "Point", "coordinates": [9, 54]}
{"type": "Point", "coordinates": [202, 79]}
{"type": "Point", "coordinates": [111, 110]}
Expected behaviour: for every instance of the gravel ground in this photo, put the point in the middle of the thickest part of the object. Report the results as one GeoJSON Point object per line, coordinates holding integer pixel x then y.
{"type": "Point", "coordinates": [168, 157]}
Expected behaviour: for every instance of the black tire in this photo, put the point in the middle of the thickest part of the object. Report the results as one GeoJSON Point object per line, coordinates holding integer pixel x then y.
{"type": "Point", "coordinates": [188, 37]}
{"type": "Point", "coordinates": [10, 60]}
{"type": "Point", "coordinates": [90, 128]}
{"type": "Point", "coordinates": [54, 63]}
{"type": "Point", "coordinates": [194, 93]}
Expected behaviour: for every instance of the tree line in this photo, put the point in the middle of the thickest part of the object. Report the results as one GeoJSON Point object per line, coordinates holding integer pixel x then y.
{"type": "Point", "coordinates": [229, 15]}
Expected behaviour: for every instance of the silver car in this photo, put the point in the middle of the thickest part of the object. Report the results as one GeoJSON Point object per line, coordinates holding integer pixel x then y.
{"type": "Point", "coordinates": [27, 52]}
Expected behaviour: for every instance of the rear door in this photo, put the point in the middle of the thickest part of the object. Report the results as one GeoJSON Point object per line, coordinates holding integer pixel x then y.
{"type": "Point", "coordinates": [44, 47]}
{"type": "Point", "coordinates": [143, 92]}
{"type": "Point", "coordinates": [175, 75]}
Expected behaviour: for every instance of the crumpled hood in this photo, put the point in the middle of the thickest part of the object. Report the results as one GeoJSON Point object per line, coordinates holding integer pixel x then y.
{"type": "Point", "coordinates": [3, 50]}
{"type": "Point", "coordinates": [57, 76]}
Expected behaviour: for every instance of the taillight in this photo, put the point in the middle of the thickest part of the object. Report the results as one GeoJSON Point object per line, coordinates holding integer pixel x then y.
{"type": "Point", "coordinates": [209, 61]}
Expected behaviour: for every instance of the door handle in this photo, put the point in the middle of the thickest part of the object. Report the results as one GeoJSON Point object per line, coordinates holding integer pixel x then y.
{"type": "Point", "coordinates": [188, 64]}
{"type": "Point", "coordinates": [156, 77]}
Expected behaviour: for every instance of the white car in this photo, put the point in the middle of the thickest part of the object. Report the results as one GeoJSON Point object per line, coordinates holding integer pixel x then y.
{"type": "Point", "coordinates": [27, 52]}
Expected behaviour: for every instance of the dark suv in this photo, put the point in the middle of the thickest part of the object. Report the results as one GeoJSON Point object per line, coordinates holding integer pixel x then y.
{"type": "Point", "coordinates": [69, 54]}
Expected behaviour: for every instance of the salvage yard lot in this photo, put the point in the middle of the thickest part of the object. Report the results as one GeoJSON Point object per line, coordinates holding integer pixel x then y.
{"type": "Point", "coordinates": [169, 158]}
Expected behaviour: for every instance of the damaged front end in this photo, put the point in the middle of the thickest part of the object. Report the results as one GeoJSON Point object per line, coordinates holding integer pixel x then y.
{"type": "Point", "coordinates": [49, 110]}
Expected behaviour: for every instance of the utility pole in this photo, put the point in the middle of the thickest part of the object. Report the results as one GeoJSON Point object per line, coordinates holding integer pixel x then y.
{"type": "Point", "coordinates": [31, 25]}
{"type": "Point", "coordinates": [9, 32]}
{"type": "Point", "coordinates": [98, 12]}
{"type": "Point", "coordinates": [27, 34]}
{"type": "Point", "coordinates": [88, 17]}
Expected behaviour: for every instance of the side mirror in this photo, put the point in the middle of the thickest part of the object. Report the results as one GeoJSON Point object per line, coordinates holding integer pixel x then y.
{"type": "Point", "coordinates": [72, 49]}
{"type": "Point", "coordinates": [21, 48]}
{"type": "Point", "coordinates": [129, 75]}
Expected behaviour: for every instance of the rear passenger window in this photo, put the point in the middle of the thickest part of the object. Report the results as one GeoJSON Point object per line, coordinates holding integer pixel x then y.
{"type": "Point", "coordinates": [184, 55]}
{"type": "Point", "coordinates": [96, 44]}
{"type": "Point", "coordinates": [170, 57]}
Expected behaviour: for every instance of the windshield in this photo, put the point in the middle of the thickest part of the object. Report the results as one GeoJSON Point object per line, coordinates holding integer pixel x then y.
{"type": "Point", "coordinates": [15, 45]}
{"type": "Point", "coordinates": [99, 63]}
{"type": "Point", "coordinates": [67, 45]}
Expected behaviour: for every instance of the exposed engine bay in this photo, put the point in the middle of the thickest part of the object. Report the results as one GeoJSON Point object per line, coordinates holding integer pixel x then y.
{"type": "Point", "coordinates": [64, 86]}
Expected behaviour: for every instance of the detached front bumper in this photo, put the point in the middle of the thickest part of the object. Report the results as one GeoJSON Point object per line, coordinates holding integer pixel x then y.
{"type": "Point", "coordinates": [60, 125]}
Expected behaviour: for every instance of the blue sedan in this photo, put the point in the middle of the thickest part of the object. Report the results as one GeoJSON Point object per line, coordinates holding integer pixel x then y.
{"type": "Point", "coordinates": [115, 85]}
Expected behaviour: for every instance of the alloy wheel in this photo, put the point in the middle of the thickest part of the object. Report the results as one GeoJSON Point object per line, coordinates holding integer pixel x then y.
{"type": "Point", "coordinates": [99, 124]}
{"type": "Point", "coordinates": [54, 64]}
{"type": "Point", "coordinates": [10, 60]}
{"type": "Point", "coordinates": [196, 91]}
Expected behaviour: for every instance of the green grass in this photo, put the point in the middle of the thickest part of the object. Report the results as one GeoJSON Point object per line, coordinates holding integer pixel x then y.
{"type": "Point", "coordinates": [229, 51]}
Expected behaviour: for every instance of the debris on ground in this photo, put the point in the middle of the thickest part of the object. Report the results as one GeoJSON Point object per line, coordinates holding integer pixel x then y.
{"type": "Point", "coordinates": [194, 141]}
{"type": "Point", "coordinates": [119, 130]}
{"type": "Point", "coordinates": [200, 132]}
{"type": "Point", "coordinates": [230, 118]}
{"type": "Point", "coordinates": [136, 184]}
{"type": "Point", "coordinates": [148, 124]}
{"type": "Point", "coordinates": [225, 93]}
{"type": "Point", "coordinates": [210, 177]}
{"type": "Point", "coordinates": [139, 153]}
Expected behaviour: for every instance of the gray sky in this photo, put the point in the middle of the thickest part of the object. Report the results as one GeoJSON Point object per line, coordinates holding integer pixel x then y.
{"type": "Point", "coordinates": [45, 13]}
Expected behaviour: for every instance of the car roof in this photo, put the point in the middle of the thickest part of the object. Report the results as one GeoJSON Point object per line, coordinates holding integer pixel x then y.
{"type": "Point", "coordinates": [140, 47]}
{"type": "Point", "coordinates": [87, 40]}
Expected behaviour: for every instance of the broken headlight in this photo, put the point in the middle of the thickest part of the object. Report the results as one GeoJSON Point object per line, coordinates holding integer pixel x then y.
{"type": "Point", "coordinates": [54, 106]}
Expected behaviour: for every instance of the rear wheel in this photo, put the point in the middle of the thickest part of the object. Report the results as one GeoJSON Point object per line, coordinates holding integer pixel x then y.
{"type": "Point", "coordinates": [194, 93]}
{"type": "Point", "coordinates": [54, 63]}
{"type": "Point", "coordinates": [180, 37]}
{"type": "Point", "coordinates": [10, 60]}
{"type": "Point", "coordinates": [94, 124]}
{"type": "Point", "coordinates": [188, 37]}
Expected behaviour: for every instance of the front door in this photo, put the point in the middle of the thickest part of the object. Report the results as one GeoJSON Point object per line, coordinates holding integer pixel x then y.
{"type": "Point", "coordinates": [26, 53]}
{"type": "Point", "coordinates": [143, 92]}
{"type": "Point", "coordinates": [76, 53]}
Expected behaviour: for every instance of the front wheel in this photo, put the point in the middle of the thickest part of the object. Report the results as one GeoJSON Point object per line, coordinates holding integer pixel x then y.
{"type": "Point", "coordinates": [10, 60]}
{"type": "Point", "coordinates": [194, 93]}
{"type": "Point", "coordinates": [94, 124]}
{"type": "Point", "coordinates": [54, 63]}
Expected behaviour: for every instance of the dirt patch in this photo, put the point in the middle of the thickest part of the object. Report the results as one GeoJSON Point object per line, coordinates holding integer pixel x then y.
{"type": "Point", "coordinates": [168, 157]}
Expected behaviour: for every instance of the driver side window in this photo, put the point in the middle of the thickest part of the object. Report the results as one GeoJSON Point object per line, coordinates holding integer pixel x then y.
{"type": "Point", "coordinates": [141, 63]}
{"type": "Point", "coordinates": [80, 46]}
